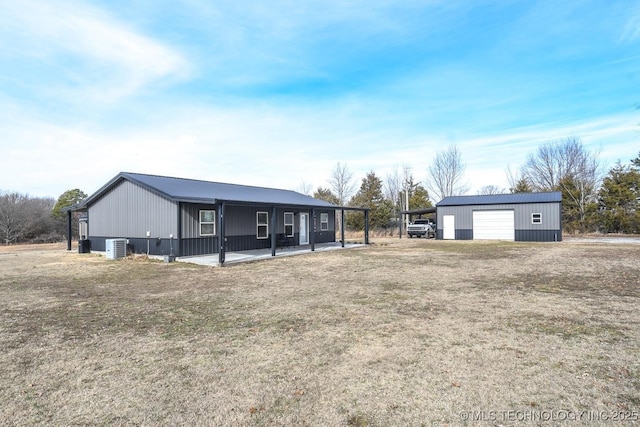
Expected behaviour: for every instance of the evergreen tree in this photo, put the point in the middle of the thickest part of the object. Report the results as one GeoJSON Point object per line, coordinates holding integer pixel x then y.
{"type": "Point", "coordinates": [370, 196]}
{"type": "Point", "coordinates": [66, 199]}
{"type": "Point", "coordinates": [619, 199]}
{"type": "Point", "coordinates": [419, 198]}
{"type": "Point", "coordinates": [636, 162]}
{"type": "Point", "coordinates": [326, 195]}
{"type": "Point", "coordinates": [522, 186]}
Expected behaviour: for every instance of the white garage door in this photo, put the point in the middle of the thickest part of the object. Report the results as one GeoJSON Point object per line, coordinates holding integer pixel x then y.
{"type": "Point", "coordinates": [493, 225]}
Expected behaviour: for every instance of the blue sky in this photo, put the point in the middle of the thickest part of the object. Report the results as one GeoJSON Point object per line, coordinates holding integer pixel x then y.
{"type": "Point", "coordinates": [275, 93]}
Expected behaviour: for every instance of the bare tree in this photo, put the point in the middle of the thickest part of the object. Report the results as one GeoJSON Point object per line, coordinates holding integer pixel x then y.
{"type": "Point", "coordinates": [556, 160]}
{"type": "Point", "coordinates": [446, 174]}
{"type": "Point", "coordinates": [397, 183]}
{"type": "Point", "coordinates": [12, 216]}
{"type": "Point", "coordinates": [341, 183]}
{"type": "Point", "coordinates": [304, 188]}
{"type": "Point", "coordinates": [565, 165]}
{"type": "Point", "coordinates": [40, 224]}
{"type": "Point", "coordinates": [512, 177]}
{"type": "Point", "coordinates": [488, 190]}
{"type": "Point", "coordinates": [393, 185]}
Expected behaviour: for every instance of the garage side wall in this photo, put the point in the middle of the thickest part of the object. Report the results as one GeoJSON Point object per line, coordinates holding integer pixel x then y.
{"type": "Point", "coordinates": [549, 230]}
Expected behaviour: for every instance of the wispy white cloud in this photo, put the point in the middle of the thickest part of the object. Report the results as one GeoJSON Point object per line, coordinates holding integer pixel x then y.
{"type": "Point", "coordinates": [84, 51]}
{"type": "Point", "coordinates": [277, 146]}
{"type": "Point", "coordinates": [631, 29]}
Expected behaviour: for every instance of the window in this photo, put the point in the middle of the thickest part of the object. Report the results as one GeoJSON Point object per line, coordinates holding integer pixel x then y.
{"type": "Point", "coordinates": [263, 225]}
{"type": "Point", "coordinates": [288, 224]}
{"type": "Point", "coordinates": [207, 223]}
{"type": "Point", "coordinates": [536, 218]}
{"type": "Point", "coordinates": [324, 221]}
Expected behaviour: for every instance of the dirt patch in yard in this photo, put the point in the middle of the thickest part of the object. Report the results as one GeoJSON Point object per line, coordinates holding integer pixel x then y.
{"type": "Point", "coordinates": [403, 332]}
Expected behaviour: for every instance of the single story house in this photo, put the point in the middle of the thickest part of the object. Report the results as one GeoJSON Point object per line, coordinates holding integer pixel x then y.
{"type": "Point", "coordinates": [162, 215]}
{"type": "Point", "coordinates": [532, 217]}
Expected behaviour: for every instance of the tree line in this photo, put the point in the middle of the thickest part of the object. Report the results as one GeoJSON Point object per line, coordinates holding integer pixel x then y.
{"type": "Point", "coordinates": [35, 219]}
{"type": "Point", "coordinates": [593, 200]}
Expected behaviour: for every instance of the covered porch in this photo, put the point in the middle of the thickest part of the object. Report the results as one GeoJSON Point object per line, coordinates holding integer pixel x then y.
{"type": "Point", "coordinates": [213, 260]}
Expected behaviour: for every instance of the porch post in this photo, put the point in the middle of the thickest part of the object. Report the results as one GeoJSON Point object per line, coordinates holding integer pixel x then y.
{"type": "Point", "coordinates": [366, 227]}
{"type": "Point", "coordinates": [342, 227]}
{"type": "Point", "coordinates": [69, 230]}
{"type": "Point", "coordinates": [179, 230]}
{"type": "Point", "coordinates": [312, 230]}
{"type": "Point", "coordinates": [272, 225]}
{"type": "Point", "coordinates": [221, 234]}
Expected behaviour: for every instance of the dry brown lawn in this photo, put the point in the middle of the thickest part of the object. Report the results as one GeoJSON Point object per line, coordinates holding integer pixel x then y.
{"type": "Point", "coordinates": [403, 332]}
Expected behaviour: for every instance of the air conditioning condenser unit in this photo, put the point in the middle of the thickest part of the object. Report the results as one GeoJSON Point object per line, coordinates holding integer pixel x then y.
{"type": "Point", "coordinates": [116, 248]}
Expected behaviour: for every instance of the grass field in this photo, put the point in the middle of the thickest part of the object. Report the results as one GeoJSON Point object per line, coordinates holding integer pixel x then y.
{"type": "Point", "coordinates": [403, 332]}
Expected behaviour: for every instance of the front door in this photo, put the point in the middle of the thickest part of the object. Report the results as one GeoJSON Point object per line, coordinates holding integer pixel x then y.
{"type": "Point", "coordinates": [304, 228]}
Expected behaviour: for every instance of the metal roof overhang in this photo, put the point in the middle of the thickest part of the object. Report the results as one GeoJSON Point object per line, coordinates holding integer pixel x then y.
{"type": "Point", "coordinates": [280, 205]}
{"type": "Point", "coordinates": [419, 211]}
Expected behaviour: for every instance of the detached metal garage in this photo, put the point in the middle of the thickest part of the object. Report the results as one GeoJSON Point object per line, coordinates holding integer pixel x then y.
{"type": "Point", "coordinates": [533, 217]}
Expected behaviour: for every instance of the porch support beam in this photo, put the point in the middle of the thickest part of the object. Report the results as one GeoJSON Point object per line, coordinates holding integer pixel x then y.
{"type": "Point", "coordinates": [366, 227]}
{"type": "Point", "coordinates": [342, 227]}
{"type": "Point", "coordinates": [272, 228]}
{"type": "Point", "coordinates": [312, 230]}
{"type": "Point", "coordinates": [221, 234]}
{"type": "Point", "coordinates": [69, 230]}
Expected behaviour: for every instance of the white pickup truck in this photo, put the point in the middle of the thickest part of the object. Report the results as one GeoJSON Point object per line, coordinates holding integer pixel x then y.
{"type": "Point", "coordinates": [422, 227]}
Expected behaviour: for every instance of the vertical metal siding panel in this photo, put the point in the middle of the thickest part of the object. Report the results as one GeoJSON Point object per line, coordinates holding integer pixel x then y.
{"type": "Point", "coordinates": [241, 220]}
{"type": "Point", "coordinates": [185, 226]}
{"type": "Point", "coordinates": [550, 216]}
{"type": "Point", "coordinates": [279, 220]}
{"type": "Point", "coordinates": [190, 221]}
{"type": "Point", "coordinates": [464, 217]}
{"type": "Point", "coordinates": [522, 216]}
{"type": "Point", "coordinates": [129, 210]}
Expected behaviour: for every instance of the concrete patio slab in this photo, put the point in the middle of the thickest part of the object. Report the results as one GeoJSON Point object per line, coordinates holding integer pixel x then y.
{"type": "Point", "coordinates": [259, 254]}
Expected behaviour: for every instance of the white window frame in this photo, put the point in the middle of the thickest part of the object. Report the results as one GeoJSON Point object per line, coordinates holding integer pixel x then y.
{"type": "Point", "coordinates": [536, 218]}
{"type": "Point", "coordinates": [290, 224]}
{"type": "Point", "coordinates": [262, 225]}
{"type": "Point", "coordinates": [201, 222]}
{"type": "Point", "coordinates": [324, 221]}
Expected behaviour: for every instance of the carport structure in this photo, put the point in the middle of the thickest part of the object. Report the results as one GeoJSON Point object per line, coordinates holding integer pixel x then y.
{"type": "Point", "coordinates": [408, 214]}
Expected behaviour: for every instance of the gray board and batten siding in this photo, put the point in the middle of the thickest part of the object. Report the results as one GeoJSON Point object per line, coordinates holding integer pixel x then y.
{"type": "Point", "coordinates": [132, 205]}
{"type": "Point", "coordinates": [127, 210]}
{"type": "Point", "coordinates": [547, 208]}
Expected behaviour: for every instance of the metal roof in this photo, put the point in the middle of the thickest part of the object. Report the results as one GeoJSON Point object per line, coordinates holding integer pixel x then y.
{"type": "Point", "coordinates": [197, 191]}
{"type": "Point", "coordinates": [419, 211]}
{"type": "Point", "coordinates": [502, 199]}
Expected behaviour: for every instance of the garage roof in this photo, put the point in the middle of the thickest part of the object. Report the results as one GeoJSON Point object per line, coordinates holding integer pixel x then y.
{"type": "Point", "coordinates": [502, 199]}
{"type": "Point", "coordinates": [197, 191]}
